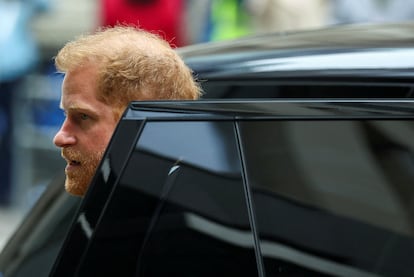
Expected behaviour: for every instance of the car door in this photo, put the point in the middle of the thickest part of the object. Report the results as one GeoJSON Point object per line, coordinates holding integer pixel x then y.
{"type": "Point", "coordinates": [176, 207]}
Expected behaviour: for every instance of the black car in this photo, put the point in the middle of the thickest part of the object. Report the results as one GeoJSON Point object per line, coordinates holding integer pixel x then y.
{"type": "Point", "coordinates": [356, 61]}
{"type": "Point", "coordinates": [308, 172]}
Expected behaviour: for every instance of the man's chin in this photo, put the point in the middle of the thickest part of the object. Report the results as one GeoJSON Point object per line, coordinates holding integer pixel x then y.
{"type": "Point", "coordinates": [76, 188]}
{"type": "Point", "coordinates": [79, 177]}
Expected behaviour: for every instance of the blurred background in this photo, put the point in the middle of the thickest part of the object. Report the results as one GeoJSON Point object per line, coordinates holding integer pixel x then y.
{"type": "Point", "coordinates": [32, 31]}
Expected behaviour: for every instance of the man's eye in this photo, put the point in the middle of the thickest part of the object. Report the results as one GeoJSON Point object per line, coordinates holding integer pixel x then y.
{"type": "Point", "coordinates": [84, 116]}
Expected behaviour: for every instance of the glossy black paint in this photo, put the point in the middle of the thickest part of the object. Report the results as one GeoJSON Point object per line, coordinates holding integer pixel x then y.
{"type": "Point", "coordinates": [149, 201]}
{"type": "Point", "coordinates": [95, 202]}
{"type": "Point", "coordinates": [325, 80]}
{"type": "Point", "coordinates": [33, 248]}
{"type": "Point", "coordinates": [358, 61]}
{"type": "Point", "coordinates": [216, 181]}
{"type": "Point", "coordinates": [252, 109]}
{"type": "Point", "coordinates": [349, 53]}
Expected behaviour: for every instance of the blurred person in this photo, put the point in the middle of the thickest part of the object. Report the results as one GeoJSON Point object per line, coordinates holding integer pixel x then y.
{"type": "Point", "coordinates": [104, 71]}
{"type": "Point", "coordinates": [165, 17]}
{"type": "Point", "coordinates": [18, 57]}
{"type": "Point", "coordinates": [287, 15]}
{"type": "Point", "coordinates": [227, 19]}
{"type": "Point", "coordinates": [196, 18]}
{"type": "Point", "coordinates": [364, 11]}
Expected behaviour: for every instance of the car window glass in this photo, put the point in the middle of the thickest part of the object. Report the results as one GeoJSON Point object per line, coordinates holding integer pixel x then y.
{"type": "Point", "coordinates": [333, 197]}
{"type": "Point", "coordinates": [174, 212]}
{"type": "Point", "coordinates": [93, 204]}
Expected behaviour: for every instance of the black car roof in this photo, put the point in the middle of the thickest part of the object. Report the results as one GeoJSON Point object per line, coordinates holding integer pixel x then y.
{"type": "Point", "coordinates": [271, 109]}
{"type": "Point", "coordinates": [380, 50]}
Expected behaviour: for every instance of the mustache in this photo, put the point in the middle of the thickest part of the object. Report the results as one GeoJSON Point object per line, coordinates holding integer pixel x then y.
{"type": "Point", "coordinates": [71, 155]}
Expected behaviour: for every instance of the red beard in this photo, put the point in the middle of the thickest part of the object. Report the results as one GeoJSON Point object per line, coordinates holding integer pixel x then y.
{"type": "Point", "coordinates": [80, 169]}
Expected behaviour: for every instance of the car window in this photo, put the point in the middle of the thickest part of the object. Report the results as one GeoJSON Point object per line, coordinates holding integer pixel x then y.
{"type": "Point", "coordinates": [179, 208]}
{"type": "Point", "coordinates": [93, 203]}
{"type": "Point", "coordinates": [332, 197]}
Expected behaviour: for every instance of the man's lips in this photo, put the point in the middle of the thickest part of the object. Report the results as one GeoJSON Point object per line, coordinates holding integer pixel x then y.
{"type": "Point", "coordinates": [71, 161]}
{"type": "Point", "coordinates": [74, 163]}
{"type": "Point", "coordinates": [73, 158]}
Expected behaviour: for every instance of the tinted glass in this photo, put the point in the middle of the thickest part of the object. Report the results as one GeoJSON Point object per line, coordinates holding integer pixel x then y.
{"type": "Point", "coordinates": [179, 208]}
{"type": "Point", "coordinates": [333, 197]}
{"type": "Point", "coordinates": [93, 204]}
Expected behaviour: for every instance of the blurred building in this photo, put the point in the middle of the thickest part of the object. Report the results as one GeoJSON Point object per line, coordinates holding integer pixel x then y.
{"type": "Point", "coordinates": [287, 15]}
{"type": "Point", "coordinates": [19, 56]}
{"type": "Point", "coordinates": [365, 11]}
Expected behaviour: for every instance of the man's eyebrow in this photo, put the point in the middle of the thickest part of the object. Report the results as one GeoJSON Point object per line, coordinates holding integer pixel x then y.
{"type": "Point", "coordinates": [77, 108]}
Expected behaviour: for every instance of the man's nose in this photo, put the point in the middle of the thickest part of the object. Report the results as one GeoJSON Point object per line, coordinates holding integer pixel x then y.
{"type": "Point", "coordinates": [64, 137]}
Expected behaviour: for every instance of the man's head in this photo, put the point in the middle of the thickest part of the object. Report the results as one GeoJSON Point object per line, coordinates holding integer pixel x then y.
{"type": "Point", "coordinates": [105, 71]}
